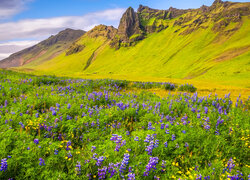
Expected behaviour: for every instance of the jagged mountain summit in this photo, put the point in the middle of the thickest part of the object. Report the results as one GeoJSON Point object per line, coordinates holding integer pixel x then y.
{"type": "Point", "coordinates": [210, 43]}
{"type": "Point", "coordinates": [44, 50]}
{"type": "Point", "coordinates": [135, 26]}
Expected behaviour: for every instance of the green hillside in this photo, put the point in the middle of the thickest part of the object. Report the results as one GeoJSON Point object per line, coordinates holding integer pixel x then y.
{"type": "Point", "coordinates": [216, 50]}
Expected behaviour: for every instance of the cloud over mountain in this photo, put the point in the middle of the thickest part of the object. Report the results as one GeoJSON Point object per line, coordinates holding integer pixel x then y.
{"type": "Point", "coordinates": [39, 29]}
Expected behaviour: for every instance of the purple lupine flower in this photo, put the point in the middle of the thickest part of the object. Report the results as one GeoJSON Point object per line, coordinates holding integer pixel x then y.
{"type": "Point", "coordinates": [102, 172]}
{"type": "Point", "coordinates": [136, 138]}
{"type": "Point", "coordinates": [21, 124]}
{"type": "Point", "coordinates": [196, 168]}
{"type": "Point", "coordinates": [163, 165]}
{"type": "Point", "coordinates": [68, 144]}
{"type": "Point", "coordinates": [166, 144]}
{"type": "Point", "coordinates": [153, 161]}
{"type": "Point", "coordinates": [36, 141]}
{"type": "Point", "coordinates": [131, 176]}
{"type": "Point", "coordinates": [41, 162]}
{"type": "Point", "coordinates": [123, 143]}
{"type": "Point", "coordinates": [114, 137]}
{"type": "Point", "coordinates": [173, 137]}
{"type": "Point", "coordinates": [207, 177]}
{"type": "Point", "coordinates": [205, 110]}
{"type": "Point", "coordinates": [69, 106]}
{"type": "Point", "coordinates": [150, 126]}
{"type": "Point", "coordinates": [56, 152]}
{"type": "Point", "coordinates": [69, 155]}
{"type": "Point", "coordinates": [4, 165]}
{"type": "Point", "coordinates": [220, 110]}
{"type": "Point", "coordinates": [99, 161]}
{"type": "Point", "coordinates": [124, 163]}
{"type": "Point", "coordinates": [111, 170]}
{"type": "Point", "coordinates": [157, 178]}
{"type": "Point", "coordinates": [186, 144]}
{"type": "Point", "coordinates": [148, 138]}
{"type": "Point", "coordinates": [78, 168]}
{"type": "Point", "coordinates": [53, 112]}
{"type": "Point", "coordinates": [93, 148]}
{"type": "Point", "coordinates": [225, 112]}
{"type": "Point", "coordinates": [118, 140]}
{"type": "Point", "coordinates": [198, 116]}
{"type": "Point", "coordinates": [230, 165]}
{"type": "Point", "coordinates": [156, 143]}
{"type": "Point", "coordinates": [199, 177]}
{"type": "Point", "coordinates": [150, 148]}
{"type": "Point", "coordinates": [5, 103]}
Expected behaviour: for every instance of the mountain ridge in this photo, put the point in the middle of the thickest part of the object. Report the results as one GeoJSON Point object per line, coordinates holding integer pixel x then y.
{"type": "Point", "coordinates": [63, 38]}
{"type": "Point", "coordinates": [210, 42]}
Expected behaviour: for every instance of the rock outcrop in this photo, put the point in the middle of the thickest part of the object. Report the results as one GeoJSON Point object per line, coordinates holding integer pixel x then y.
{"type": "Point", "coordinates": [101, 30]}
{"type": "Point", "coordinates": [129, 25]}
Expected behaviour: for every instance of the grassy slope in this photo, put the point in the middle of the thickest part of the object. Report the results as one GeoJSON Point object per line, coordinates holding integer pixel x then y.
{"type": "Point", "coordinates": [52, 51]}
{"type": "Point", "coordinates": [201, 55]}
{"type": "Point", "coordinates": [74, 63]}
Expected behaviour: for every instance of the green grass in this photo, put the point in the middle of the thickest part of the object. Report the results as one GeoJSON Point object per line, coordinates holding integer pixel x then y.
{"type": "Point", "coordinates": [166, 54]}
{"type": "Point", "coordinates": [52, 126]}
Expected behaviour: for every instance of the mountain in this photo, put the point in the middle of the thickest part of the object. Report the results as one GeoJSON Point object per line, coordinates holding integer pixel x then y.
{"type": "Point", "coordinates": [44, 50]}
{"type": "Point", "coordinates": [208, 43]}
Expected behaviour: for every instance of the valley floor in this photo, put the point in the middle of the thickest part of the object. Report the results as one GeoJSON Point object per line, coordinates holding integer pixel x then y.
{"type": "Point", "coordinates": [204, 87]}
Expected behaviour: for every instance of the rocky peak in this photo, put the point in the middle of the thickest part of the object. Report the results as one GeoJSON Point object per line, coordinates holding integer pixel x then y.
{"type": "Point", "coordinates": [129, 25]}
{"type": "Point", "coordinates": [101, 30]}
{"type": "Point", "coordinates": [64, 36]}
{"type": "Point", "coordinates": [146, 9]}
{"type": "Point", "coordinates": [141, 8]}
{"type": "Point", "coordinates": [217, 2]}
{"type": "Point", "coordinates": [204, 9]}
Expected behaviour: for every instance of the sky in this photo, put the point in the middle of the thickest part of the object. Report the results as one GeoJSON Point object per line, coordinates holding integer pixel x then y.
{"type": "Point", "coordinates": [24, 23]}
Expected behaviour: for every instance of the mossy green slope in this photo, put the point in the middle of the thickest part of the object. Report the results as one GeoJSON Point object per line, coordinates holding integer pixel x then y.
{"type": "Point", "coordinates": [176, 52]}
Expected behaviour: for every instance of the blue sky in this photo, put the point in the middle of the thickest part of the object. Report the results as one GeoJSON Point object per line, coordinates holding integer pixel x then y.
{"type": "Point", "coordinates": [54, 8]}
{"type": "Point", "coordinates": [26, 22]}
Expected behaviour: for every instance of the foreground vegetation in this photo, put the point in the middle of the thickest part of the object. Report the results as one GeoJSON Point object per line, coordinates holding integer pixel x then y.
{"type": "Point", "coordinates": [60, 128]}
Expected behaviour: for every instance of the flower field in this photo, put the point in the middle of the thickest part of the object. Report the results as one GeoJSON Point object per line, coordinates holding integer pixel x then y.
{"type": "Point", "coordinates": [61, 128]}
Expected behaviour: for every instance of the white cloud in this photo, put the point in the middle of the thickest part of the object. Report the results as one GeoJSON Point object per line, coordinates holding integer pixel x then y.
{"type": "Point", "coordinates": [4, 55]}
{"type": "Point", "coordinates": [35, 28]}
{"type": "Point", "coordinates": [18, 43]}
{"type": "Point", "coordinates": [9, 8]}
{"type": "Point", "coordinates": [39, 29]}
{"type": "Point", "coordinates": [7, 48]}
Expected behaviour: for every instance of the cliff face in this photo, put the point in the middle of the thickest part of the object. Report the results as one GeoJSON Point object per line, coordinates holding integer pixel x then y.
{"type": "Point", "coordinates": [134, 26]}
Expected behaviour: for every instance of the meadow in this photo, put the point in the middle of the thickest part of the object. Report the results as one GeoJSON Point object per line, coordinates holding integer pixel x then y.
{"type": "Point", "coordinates": [71, 128]}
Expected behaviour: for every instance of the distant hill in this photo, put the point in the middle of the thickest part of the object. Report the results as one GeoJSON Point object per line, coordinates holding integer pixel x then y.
{"type": "Point", "coordinates": [208, 43]}
{"type": "Point", "coordinates": [45, 50]}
